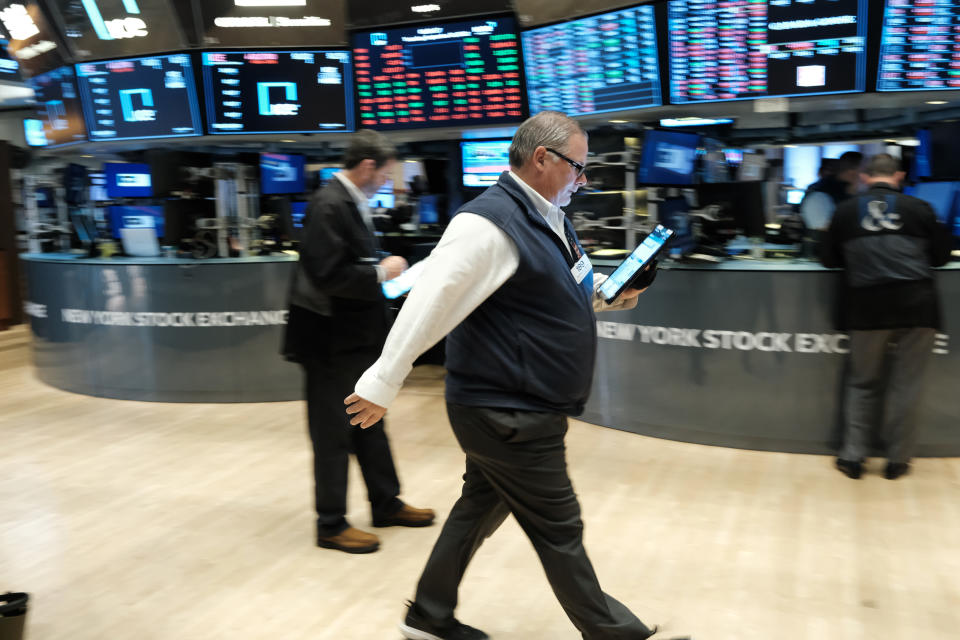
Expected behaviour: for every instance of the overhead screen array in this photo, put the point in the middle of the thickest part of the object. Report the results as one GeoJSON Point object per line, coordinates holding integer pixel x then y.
{"type": "Point", "coordinates": [604, 63]}
{"type": "Point", "coordinates": [920, 46]}
{"type": "Point", "coordinates": [742, 49]}
{"type": "Point", "coordinates": [112, 28]}
{"type": "Point", "coordinates": [278, 91]}
{"type": "Point", "coordinates": [449, 74]}
{"type": "Point", "coordinates": [59, 114]}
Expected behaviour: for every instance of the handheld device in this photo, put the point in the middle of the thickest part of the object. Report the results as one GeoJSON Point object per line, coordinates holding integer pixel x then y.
{"type": "Point", "coordinates": [628, 270]}
{"type": "Point", "coordinates": [400, 285]}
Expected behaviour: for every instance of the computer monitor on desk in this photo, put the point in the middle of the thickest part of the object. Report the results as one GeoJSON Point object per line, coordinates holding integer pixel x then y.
{"type": "Point", "coordinates": [740, 201]}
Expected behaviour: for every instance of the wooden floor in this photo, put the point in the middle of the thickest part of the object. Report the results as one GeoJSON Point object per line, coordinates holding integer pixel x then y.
{"type": "Point", "coordinates": [145, 521]}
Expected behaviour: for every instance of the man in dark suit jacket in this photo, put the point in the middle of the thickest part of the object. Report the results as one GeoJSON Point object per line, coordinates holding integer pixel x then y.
{"type": "Point", "coordinates": [337, 325]}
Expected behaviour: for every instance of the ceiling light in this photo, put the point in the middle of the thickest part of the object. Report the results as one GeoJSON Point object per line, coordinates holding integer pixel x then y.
{"type": "Point", "coordinates": [619, 122]}
{"type": "Point", "coordinates": [936, 102]}
{"type": "Point", "coordinates": [270, 3]}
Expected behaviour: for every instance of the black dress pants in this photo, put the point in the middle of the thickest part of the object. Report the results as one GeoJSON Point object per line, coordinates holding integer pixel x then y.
{"type": "Point", "coordinates": [328, 382]}
{"type": "Point", "coordinates": [516, 463]}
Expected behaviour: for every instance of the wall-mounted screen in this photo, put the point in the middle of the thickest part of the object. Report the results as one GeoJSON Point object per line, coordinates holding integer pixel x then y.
{"type": "Point", "coordinates": [457, 73]}
{"type": "Point", "coordinates": [278, 91]}
{"type": "Point", "coordinates": [32, 41]}
{"type": "Point", "coordinates": [9, 67]}
{"type": "Point", "coordinates": [128, 180]}
{"type": "Point", "coordinates": [58, 109]}
{"type": "Point", "coordinates": [153, 97]}
{"type": "Point", "coordinates": [920, 46]}
{"type": "Point", "coordinates": [592, 65]}
{"type": "Point", "coordinates": [281, 173]}
{"type": "Point", "coordinates": [368, 13]}
{"type": "Point", "coordinates": [111, 28]}
{"type": "Point", "coordinates": [667, 158]}
{"type": "Point", "coordinates": [484, 161]}
{"type": "Point", "coordinates": [135, 217]}
{"type": "Point", "coordinates": [759, 48]}
{"type": "Point", "coordinates": [273, 23]}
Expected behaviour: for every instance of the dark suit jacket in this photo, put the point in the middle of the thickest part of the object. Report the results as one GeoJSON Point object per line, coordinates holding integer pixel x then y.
{"type": "Point", "coordinates": [336, 304]}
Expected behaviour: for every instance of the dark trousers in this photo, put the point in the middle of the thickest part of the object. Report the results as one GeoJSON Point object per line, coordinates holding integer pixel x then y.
{"type": "Point", "coordinates": [516, 463]}
{"type": "Point", "coordinates": [328, 382]}
{"type": "Point", "coordinates": [903, 355]}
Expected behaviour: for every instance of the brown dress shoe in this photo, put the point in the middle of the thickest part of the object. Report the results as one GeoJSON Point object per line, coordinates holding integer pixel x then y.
{"type": "Point", "coordinates": [351, 540]}
{"type": "Point", "coordinates": [407, 516]}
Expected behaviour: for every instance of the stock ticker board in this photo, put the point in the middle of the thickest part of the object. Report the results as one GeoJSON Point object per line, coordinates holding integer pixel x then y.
{"type": "Point", "coordinates": [920, 46]}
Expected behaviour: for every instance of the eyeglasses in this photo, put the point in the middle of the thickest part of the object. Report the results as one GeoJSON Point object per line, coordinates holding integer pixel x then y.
{"type": "Point", "coordinates": [579, 168]}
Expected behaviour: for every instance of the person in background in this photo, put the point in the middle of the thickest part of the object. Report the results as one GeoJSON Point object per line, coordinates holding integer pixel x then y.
{"type": "Point", "coordinates": [886, 243]}
{"type": "Point", "coordinates": [852, 163]}
{"type": "Point", "coordinates": [510, 285]}
{"type": "Point", "coordinates": [337, 324]}
{"type": "Point", "coordinates": [838, 180]}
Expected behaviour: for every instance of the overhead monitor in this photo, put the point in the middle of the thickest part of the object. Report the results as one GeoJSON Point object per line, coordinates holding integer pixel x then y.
{"type": "Point", "coordinates": [371, 13]}
{"type": "Point", "coordinates": [111, 28]}
{"type": "Point", "coordinates": [9, 67]}
{"type": "Point", "coordinates": [484, 161]}
{"type": "Point", "coordinates": [128, 180]}
{"type": "Point", "coordinates": [667, 158]}
{"type": "Point", "coordinates": [920, 46]}
{"type": "Point", "coordinates": [138, 98]}
{"type": "Point", "coordinates": [278, 91]}
{"type": "Point", "coordinates": [765, 48]}
{"type": "Point", "coordinates": [281, 173]}
{"type": "Point", "coordinates": [272, 23]}
{"type": "Point", "coordinates": [594, 65]}
{"type": "Point", "coordinates": [449, 74]}
{"type": "Point", "coordinates": [58, 109]}
{"type": "Point", "coordinates": [32, 40]}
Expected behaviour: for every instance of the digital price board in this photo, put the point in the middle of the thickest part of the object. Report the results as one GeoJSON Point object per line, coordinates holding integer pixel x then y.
{"type": "Point", "coordinates": [278, 91]}
{"type": "Point", "coordinates": [455, 73]}
{"type": "Point", "coordinates": [593, 65]}
{"type": "Point", "coordinates": [740, 49]}
{"type": "Point", "coordinates": [152, 97]}
{"type": "Point", "coordinates": [920, 46]}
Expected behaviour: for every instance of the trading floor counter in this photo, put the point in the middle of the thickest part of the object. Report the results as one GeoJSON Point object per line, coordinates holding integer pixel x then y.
{"type": "Point", "coordinates": [744, 354]}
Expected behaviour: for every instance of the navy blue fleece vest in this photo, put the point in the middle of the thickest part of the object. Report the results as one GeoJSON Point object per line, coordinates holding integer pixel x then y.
{"type": "Point", "coordinates": [532, 344]}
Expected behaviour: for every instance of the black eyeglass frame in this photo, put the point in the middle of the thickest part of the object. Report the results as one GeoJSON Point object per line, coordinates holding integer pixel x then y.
{"type": "Point", "coordinates": [580, 168]}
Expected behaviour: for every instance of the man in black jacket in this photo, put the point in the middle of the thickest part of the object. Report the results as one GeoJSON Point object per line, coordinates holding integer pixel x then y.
{"type": "Point", "coordinates": [337, 324]}
{"type": "Point", "coordinates": [887, 243]}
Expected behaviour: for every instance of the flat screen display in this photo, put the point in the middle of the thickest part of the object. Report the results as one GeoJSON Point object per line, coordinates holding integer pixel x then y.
{"type": "Point", "coordinates": [920, 46]}
{"type": "Point", "coordinates": [32, 41]}
{"type": "Point", "coordinates": [593, 65]}
{"type": "Point", "coordinates": [298, 211]}
{"type": "Point", "coordinates": [111, 28]}
{"type": "Point", "coordinates": [760, 48]}
{"type": "Point", "coordinates": [668, 158]}
{"type": "Point", "coordinates": [281, 173]}
{"type": "Point", "coordinates": [278, 91]}
{"type": "Point", "coordinates": [135, 217]}
{"type": "Point", "coordinates": [273, 23]}
{"type": "Point", "coordinates": [58, 109]}
{"type": "Point", "coordinates": [153, 97]}
{"type": "Point", "coordinates": [457, 73]}
{"type": "Point", "coordinates": [9, 67]}
{"type": "Point", "coordinates": [484, 161]}
{"type": "Point", "coordinates": [128, 180]}
{"type": "Point", "coordinates": [366, 13]}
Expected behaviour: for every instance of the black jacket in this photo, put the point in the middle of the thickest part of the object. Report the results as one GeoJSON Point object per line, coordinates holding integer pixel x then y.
{"type": "Point", "coordinates": [887, 243]}
{"type": "Point", "coordinates": [336, 304]}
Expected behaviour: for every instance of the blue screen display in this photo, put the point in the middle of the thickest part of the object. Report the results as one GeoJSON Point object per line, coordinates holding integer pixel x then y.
{"type": "Point", "coordinates": [280, 173]}
{"type": "Point", "coordinates": [135, 217]}
{"type": "Point", "coordinates": [153, 97]}
{"type": "Point", "coordinates": [668, 158]}
{"type": "Point", "coordinates": [484, 161]}
{"type": "Point", "coordinates": [942, 196]}
{"type": "Point", "coordinates": [128, 180]}
{"type": "Point", "coordinates": [298, 210]}
{"type": "Point", "coordinates": [427, 211]}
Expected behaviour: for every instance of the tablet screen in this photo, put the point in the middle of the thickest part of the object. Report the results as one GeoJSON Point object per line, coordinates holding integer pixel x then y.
{"type": "Point", "coordinates": [404, 282]}
{"type": "Point", "coordinates": [636, 261]}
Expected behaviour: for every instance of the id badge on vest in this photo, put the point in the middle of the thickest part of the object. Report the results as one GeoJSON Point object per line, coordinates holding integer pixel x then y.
{"type": "Point", "coordinates": [581, 270]}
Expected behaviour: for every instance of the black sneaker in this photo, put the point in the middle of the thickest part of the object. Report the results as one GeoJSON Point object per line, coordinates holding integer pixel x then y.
{"type": "Point", "coordinates": [850, 468]}
{"type": "Point", "coordinates": [895, 469]}
{"type": "Point", "coordinates": [416, 626]}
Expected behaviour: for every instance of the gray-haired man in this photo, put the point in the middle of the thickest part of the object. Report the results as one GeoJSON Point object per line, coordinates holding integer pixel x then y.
{"type": "Point", "coordinates": [509, 284]}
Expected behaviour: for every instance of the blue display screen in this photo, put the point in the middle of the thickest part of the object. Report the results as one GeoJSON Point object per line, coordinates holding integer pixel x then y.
{"type": "Point", "coordinates": [636, 261]}
{"type": "Point", "coordinates": [128, 180]}
{"type": "Point", "coordinates": [298, 210]}
{"type": "Point", "coordinates": [135, 217]}
{"type": "Point", "coordinates": [427, 210]}
{"type": "Point", "coordinates": [153, 97]}
{"type": "Point", "coordinates": [942, 196]}
{"type": "Point", "coordinates": [602, 63]}
{"type": "Point", "coordinates": [484, 161]}
{"type": "Point", "coordinates": [280, 173]}
{"type": "Point", "coordinates": [668, 158]}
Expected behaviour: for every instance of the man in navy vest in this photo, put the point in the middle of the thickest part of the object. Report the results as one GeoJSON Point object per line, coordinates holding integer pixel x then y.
{"type": "Point", "coordinates": [510, 285]}
{"type": "Point", "coordinates": [887, 243]}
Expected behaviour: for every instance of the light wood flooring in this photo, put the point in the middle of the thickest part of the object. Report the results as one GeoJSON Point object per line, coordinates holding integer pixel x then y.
{"type": "Point", "coordinates": [143, 521]}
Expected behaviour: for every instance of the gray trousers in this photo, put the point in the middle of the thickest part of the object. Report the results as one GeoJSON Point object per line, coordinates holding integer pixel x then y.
{"type": "Point", "coordinates": [516, 463]}
{"type": "Point", "coordinates": [885, 380]}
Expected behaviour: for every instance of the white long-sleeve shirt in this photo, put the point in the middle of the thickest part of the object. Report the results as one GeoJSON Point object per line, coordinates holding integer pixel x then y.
{"type": "Point", "coordinates": [472, 260]}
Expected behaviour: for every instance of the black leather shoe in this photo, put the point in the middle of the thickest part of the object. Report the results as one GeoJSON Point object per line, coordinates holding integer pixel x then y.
{"type": "Point", "coordinates": [416, 626]}
{"type": "Point", "coordinates": [850, 468]}
{"type": "Point", "coordinates": [896, 469]}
